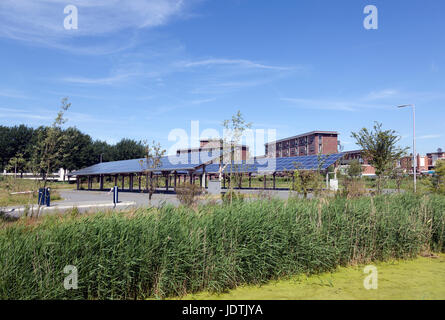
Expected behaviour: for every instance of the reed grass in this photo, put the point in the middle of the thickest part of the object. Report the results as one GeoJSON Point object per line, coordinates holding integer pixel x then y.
{"type": "Point", "coordinates": [158, 253]}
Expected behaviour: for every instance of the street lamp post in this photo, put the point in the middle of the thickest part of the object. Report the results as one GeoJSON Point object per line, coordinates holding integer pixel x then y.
{"type": "Point", "coordinates": [414, 144]}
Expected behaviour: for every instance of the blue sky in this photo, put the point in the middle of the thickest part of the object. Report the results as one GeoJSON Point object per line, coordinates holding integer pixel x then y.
{"type": "Point", "coordinates": [142, 68]}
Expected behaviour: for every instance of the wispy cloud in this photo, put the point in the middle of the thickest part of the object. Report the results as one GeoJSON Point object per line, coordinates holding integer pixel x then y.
{"type": "Point", "coordinates": [16, 113]}
{"type": "Point", "coordinates": [429, 136]}
{"type": "Point", "coordinates": [322, 104]}
{"type": "Point", "coordinates": [380, 99]}
{"type": "Point", "coordinates": [382, 94]}
{"type": "Point", "coordinates": [101, 81]}
{"type": "Point", "coordinates": [12, 94]}
{"type": "Point", "coordinates": [184, 104]}
{"type": "Point", "coordinates": [234, 62]}
{"type": "Point", "coordinates": [42, 21]}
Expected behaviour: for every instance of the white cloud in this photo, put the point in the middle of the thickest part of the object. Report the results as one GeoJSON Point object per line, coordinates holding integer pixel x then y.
{"type": "Point", "coordinates": [16, 113]}
{"type": "Point", "coordinates": [382, 94]}
{"type": "Point", "coordinates": [323, 104]}
{"type": "Point", "coordinates": [236, 62]}
{"type": "Point", "coordinates": [100, 81]}
{"type": "Point", "coordinates": [429, 136]}
{"type": "Point", "coordinates": [381, 99]}
{"type": "Point", "coordinates": [12, 94]}
{"type": "Point", "coordinates": [42, 20]}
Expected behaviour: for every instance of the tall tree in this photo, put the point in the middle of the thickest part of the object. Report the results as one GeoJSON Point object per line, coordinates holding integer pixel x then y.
{"type": "Point", "coordinates": [355, 169]}
{"type": "Point", "coordinates": [380, 148]}
{"type": "Point", "coordinates": [48, 151]}
{"type": "Point", "coordinates": [153, 155]}
{"type": "Point", "coordinates": [232, 152]}
{"type": "Point", "coordinates": [77, 150]}
{"type": "Point", "coordinates": [128, 149]}
{"type": "Point", "coordinates": [13, 141]}
{"type": "Point", "coordinates": [102, 151]}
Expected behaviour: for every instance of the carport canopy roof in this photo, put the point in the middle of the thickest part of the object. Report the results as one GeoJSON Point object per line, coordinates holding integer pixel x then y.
{"type": "Point", "coordinates": [197, 161]}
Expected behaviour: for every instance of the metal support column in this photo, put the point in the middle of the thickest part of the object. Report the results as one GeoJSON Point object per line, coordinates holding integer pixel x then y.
{"type": "Point", "coordinates": [274, 180]}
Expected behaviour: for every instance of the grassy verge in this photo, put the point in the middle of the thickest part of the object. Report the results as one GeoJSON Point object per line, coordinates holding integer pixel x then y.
{"type": "Point", "coordinates": [177, 251]}
{"type": "Point", "coordinates": [9, 185]}
{"type": "Point", "coordinates": [418, 279]}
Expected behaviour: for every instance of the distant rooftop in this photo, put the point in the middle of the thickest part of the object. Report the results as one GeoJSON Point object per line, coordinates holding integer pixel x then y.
{"type": "Point", "coordinates": [303, 135]}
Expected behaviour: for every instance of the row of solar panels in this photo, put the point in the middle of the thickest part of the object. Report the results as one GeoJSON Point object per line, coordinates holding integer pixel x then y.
{"type": "Point", "coordinates": [270, 165]}
{"type": "Point", "coordinates": [195, 161]}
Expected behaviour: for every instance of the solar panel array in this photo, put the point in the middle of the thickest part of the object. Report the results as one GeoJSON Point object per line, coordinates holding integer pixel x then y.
{"type": "Point", "coordinates": [186, 161]}
{"type": "Point", "coordinates": [270, 165]}
{"type": "Point", "coordinates": [194, 160]}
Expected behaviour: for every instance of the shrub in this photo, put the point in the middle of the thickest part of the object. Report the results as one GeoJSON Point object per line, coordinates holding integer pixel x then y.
{"type": "Point", "coordinates": [353, 188]}
{"type": "Point", "coordinates": [187, 193]}
{"type": "Point", "coordinates": [232, 196]}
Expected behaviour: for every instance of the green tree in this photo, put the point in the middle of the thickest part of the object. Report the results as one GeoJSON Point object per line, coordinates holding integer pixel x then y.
{"type": "Point", "coordinates": [128, 149]}
{"type": "Point", "coordinates": [17, 164]}
{"type": "Point", "coordinates": [380, 148]}
{"type": "Point", "coordinates": [48, 151]}
{"type": "Point", "coordinates": [153, 159]}
{"type": "Point", "coordinates": [13, 141]}
{"type": "Point", "coordinates": [354, 169]}
{"type": "Point", "coordinates": [102, 151]}
{"type": "Point", "coordinates": [305, 181]}
{"type": "Point", "coordinates": [232, 153]}
{"type": "Point", "coordinates": [437, 182]}
{"type": "Point", "coordinates": [77, 151]}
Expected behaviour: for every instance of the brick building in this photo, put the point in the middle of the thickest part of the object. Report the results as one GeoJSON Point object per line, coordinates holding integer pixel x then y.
{"type": "Point", "coordinates": [214, 146]}
{"type": "Point", "coordinates": [433, 157]}
{"type": "Point", "coordinates": [311, 143]}
{"type": "Point", "coordinates": [406, 163]}
{"type": "Point", "coordinates": [367, 169]}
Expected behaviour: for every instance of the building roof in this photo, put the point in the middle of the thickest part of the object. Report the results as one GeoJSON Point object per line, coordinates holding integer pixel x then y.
{"type": "Point", "coordinates": [303, 135]}
{"type": "Point", "coordinates": [271, 165]}
{"type": "Point", "coordinates": [182, 162]}
{"type": "Point", "coordinates": [197, 161]}
{"type": "Point", "coordinates": [353, 151]}
{"type": "Point", "coordinates": [210, 144]}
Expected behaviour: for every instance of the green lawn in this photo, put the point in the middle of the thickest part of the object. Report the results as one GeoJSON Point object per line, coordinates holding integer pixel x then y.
{"type": "Point", "coordinates": [422, 278]}
{"type": "Point", "coordinates": [10, 185]}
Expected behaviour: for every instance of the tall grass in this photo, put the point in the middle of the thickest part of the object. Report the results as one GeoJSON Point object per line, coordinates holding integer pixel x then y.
{"type": "Point", "coordinates": [174, 251]}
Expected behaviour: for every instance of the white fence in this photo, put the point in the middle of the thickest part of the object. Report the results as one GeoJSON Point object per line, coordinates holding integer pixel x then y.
{"type": "Point", "coordinates": [61, 175]}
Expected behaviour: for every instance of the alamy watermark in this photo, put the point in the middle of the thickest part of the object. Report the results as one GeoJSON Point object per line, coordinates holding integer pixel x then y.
{"type": "Point", "coordinates": [70, 281]}
{"type": "Point", "coordinates": [371, 280]}
{"type": "Point", "coordinates": [371, 21]}
{"type": "Point", "coordinates": [227, 144]}
{"type": "Point", "coordinates": [71, 21]}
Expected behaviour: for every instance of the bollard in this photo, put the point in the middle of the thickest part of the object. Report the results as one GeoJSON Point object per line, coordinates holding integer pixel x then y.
{"type": "Point", "coordinates": [48, 197]}
{"type": "Point", "coordinates": [41, 193]}
{"type": "Point", "coordinates": [44, 197]}
{"type": "Point", "coordinates": [115, 195]}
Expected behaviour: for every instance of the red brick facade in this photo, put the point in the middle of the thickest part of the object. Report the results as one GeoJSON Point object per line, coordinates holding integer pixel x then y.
{"type": "Point", "coordinates": [312, 143]}
{"type": "Point", "coordinates": [367, 169]}
{"type": "Point", "coordinates": [433, 157]}
{"type": "Point", "coordinates": [241, 151]}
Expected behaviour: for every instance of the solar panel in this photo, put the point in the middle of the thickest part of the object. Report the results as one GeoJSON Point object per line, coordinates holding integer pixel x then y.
{"type": "Point", "coordinates": [185, 161]}
{"type": "Point", "coordinates": [270, 165]}
{"type": "Point", "coordinates": [191, 161]}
